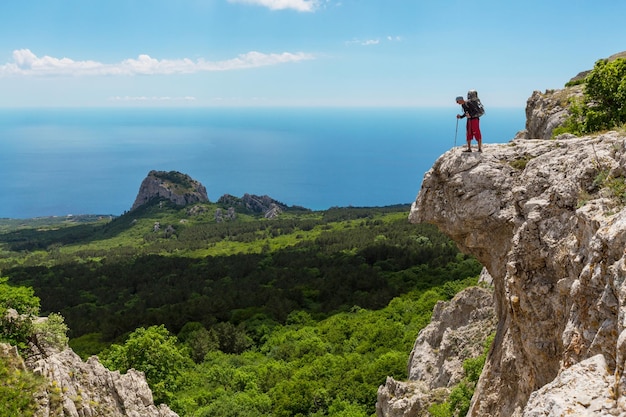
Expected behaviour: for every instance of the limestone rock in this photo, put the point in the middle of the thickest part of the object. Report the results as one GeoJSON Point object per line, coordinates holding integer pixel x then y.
{"type": "Point", "coordinates": [84, 389]}
{"type": "Point", "coordinates": [254, 204]}
{"type": "Point", "coordinates": [546, 111]}
{"type": "Point", "coordinates": [89, 389]}
{"type": "Point", "coordinates": [174, 186]}
{"type": "Point", "coordinates": [577, 391]}
{"type": "Point", "coordinates": [457, 331]}
{"type": "Point", "coordinates": [407, 399]}
{"type": "Point", "coordinates": [547, 220]}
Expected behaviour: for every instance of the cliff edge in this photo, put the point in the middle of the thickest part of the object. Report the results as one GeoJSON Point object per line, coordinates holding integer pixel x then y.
{"type": "Point", "coordinates": [548, 221]}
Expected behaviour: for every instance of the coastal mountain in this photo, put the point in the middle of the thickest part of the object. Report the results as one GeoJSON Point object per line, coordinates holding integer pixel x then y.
{"type": "Point", "coordinates": [546, 219]}
{"type": "Point", "coordinates": [182, 190]}
{"type": "Point", "coordinates": [174, 186]}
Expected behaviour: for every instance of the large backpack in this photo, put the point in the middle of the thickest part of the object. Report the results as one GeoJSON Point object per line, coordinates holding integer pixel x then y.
{"type": "Point", "coordinates": [472, 97]}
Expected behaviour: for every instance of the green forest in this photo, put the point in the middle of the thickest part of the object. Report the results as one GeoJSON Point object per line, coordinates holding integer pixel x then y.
{"type": "Point", "coordinates": [302, 315]}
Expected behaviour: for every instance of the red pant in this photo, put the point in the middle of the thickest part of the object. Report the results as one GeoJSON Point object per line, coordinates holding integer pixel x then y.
{"type": "Point", "coordinates": [473, 129]}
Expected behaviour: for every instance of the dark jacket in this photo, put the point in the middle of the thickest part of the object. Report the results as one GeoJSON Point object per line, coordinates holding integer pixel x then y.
{"type": "Point", "coordinates": [471, 108]}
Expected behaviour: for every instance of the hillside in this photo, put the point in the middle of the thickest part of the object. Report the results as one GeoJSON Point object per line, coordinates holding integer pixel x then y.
{"type": "Point", "coordinates": [341, 258]}
{"type": "Point", "coordinates": [345, 290]}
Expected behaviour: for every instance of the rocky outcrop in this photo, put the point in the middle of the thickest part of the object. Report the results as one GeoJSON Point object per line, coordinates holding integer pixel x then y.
{"type": "Point", "coordinates": [457, 331]}
{"type": "Point", "coordinates": [581, 75]}
{"type": "Point", "coordinates": [546, 111]}
{"type": "Point", "coordinates": [174, 186]}
{"type": "Point", "coordinates": [407, 399]}
{"type": "Point", "coordinates": [547, 220]}
{"type": "Point", "coordinates": [89, 389]}
{"type": "Point", "coordinates": [266, 205]}
{"type": "Point", "coordinates": [577, 391]}
{"type": "Point", "coordinates": [75, 388]}
{"type": "Point", "coordinates": [71, 387]}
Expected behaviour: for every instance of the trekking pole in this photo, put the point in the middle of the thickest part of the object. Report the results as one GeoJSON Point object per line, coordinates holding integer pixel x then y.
{"type": "Point", "coordinates": [456, 131]}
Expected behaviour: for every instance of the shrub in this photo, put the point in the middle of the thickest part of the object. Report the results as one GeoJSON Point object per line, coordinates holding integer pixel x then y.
{"type": "Point", "coordinates": [17, 390]}
{"type": "Point", "coordinates": [52, 331]}
{"type": "Point", "coordinates": [17, 330]}
{"type": "Point", "coordinates": [154, 352]}
{"type": "Point", "coordinates": [604, 103]}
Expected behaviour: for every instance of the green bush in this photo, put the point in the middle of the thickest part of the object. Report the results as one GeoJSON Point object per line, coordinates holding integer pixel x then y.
{"type": "Point", "coordinates": [154, 352]}
{"type": "Point", "coordinates": [17, 387]}
{"type": "Point", "coordinates": [460, 398]}
{"type": "Point", "coordinates": [17, 390]}
{"type": "Point", "coordinates": [52, 331]}
{"type": "Point", "coordinates": [17, 330]}
{"type": "Point", "coordinates": [603, 106]}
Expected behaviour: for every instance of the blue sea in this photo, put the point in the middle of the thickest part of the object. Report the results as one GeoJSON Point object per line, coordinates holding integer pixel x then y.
{"type": "Point", "coordinates": [55, 162]}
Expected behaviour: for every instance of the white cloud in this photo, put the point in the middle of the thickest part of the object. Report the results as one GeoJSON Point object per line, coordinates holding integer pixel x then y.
{"type": "Point", "coordinates": [299, 5]}
{"type": "Point", "coordinates": [366, 42]}
{"type": "Point", "coordinates": [26, 62]}
{"type": "Point", "coordinates": [370, 42]}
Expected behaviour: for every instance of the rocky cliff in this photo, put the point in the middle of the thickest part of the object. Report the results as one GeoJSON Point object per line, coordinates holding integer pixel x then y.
{"type": "Point", "coordinates": [174, 186]}
{"type": "Point", "coordinates": [546, 111]}
{"type": "Point", "coordinates": [457, 331]}
{"type": "Point", "coordinates": [254, 204]}
{"type": "Point", "coordinates": [75, 388]}
{"type": "Point", "coordinates": [547, 220]}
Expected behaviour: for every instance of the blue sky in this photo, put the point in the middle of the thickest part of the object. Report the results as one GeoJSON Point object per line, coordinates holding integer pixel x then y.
{"type": "Point", "coordinates": [111, 53]}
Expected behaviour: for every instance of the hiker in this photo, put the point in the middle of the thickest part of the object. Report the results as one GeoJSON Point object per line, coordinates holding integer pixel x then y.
{"type": "Point", "coordinates": [471, 111]}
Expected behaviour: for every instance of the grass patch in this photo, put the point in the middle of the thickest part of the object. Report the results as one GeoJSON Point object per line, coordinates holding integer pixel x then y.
{"type": "Point", "coordinates": [520, 163]}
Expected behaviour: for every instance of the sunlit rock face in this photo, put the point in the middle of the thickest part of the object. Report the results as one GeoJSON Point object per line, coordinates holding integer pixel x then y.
{"type": "Point", "coordinates": [174, 186]}
{"type": "Point", "coordinates": [457, 331]}
{"type": "Point", "coordinates": [547, 220]}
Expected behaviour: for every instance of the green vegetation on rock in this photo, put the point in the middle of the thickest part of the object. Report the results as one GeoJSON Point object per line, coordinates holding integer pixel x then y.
{"type": "Point", "coordinates": [603, 105]}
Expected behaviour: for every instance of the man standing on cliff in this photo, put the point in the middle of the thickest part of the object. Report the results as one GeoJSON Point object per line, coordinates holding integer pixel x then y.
{"type": "Point", "coordinates": [471, 111]}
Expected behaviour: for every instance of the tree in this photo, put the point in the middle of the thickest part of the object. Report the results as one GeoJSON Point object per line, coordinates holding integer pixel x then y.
{"type": "Point", "coordinates": [231, 339]}
{"type": "Point", "coordinates": [21, 299]}
{"type": "Point", "coordinates": [17, 329]}
{"type": "Point", "coordinates": [605, 92]}
{"type": "Point", "coordinates": [52, 331]}
{"type": "Point", "coordinates": [154, 352]}
{"type": "Point", "coordinates": [603, 105]}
